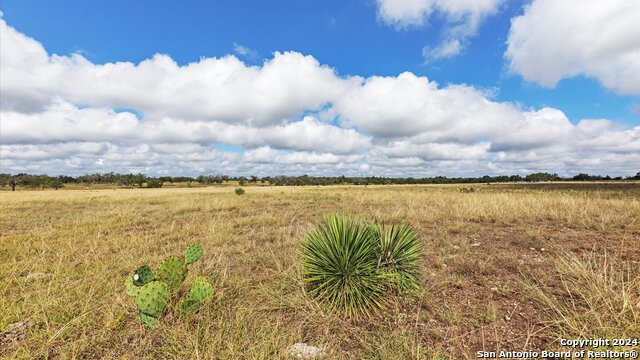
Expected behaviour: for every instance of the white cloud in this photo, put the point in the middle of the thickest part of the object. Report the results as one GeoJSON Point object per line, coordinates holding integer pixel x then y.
{"type": "Point", "coordinates": [291, 115]}
{"type": "Point", "coordinates": [467, 14]}
{"type": "Point", "coordinates": [212, 89]}
{"type": "Point", "coordinates": [268, 155]}
{"type": "Point", "coordinates": [408, 105]}
{"type": "Point", "coordinates": [435, 151]}
{"type": "Point", "coordinates": [463, 18]}
{"type": "Point", "coordinates": [556, 39]}
{"type": "Point", "coordinates": [445, 50]}
{"type": "Point", "coordinates": [64, 122]}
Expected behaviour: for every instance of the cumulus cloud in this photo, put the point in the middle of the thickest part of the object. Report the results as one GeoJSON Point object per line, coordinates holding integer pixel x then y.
{"type": "Point", "coordinates": [554, 39]}
{"type": "Point", "coordinates": [289, 115]}
{"type": "Point", "coordinates": [465, 14]}
{"type": "Point", "coordinates": [64, 122]}
{"type": "Point", "coordinates": [407, 105]}
{"type": "Point", "coordinates": [463, 18]}
{"type": "Point", "coordinates": [212, 89]}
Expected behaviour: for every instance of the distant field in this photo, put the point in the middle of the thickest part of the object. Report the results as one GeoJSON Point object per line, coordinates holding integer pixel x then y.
{"type": "Point", "coordinates": [507, 267]}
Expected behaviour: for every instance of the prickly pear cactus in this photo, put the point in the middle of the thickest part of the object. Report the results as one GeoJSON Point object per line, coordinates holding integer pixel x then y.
{"type": "Point", "coordinates": [133, 284]}
{"type": "Point", "coordinates": [143, 275]}
{"type": "Point", "coordinates": [201, 289]}
{"type": "Point", "coordinates": [152, 292]}
{"type": "Point", "coordinates": [152, 300]}
{"type": "Point", "coordinates": [130, 287]}
{"type": "Point", "coordinates": [148, 320]}
{"type": "Point", "coordinates": [192, 254]}
{"type": "Point", "coordinates": [200, 293]}
{"type": "Point", "coordinates": [172, 271]}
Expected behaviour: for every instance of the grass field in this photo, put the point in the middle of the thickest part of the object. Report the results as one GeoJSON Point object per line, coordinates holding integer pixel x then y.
{"type": "Point", "coordinates": [506, 267]}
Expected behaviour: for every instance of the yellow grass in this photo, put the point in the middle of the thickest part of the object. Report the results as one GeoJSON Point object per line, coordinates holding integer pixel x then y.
{"type": "Point", "coordinates": [65, 254]}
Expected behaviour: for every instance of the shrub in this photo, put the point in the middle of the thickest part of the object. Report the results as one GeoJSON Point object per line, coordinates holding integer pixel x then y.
{"type": "Point", "coordinates": [398, 252]}
{"type": "Point", "coordinates": [239, 191]}
{"type": "Point", "coordinates": [352, 267]}
{"type": "Point", "coordinates": [154, 184]}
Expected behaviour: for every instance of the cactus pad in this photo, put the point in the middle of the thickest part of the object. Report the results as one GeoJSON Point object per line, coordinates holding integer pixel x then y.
{"type": "Point", "coordinates": [200, 293]}
{"type": "Point", "coordinates": [201, 290]}
{"type": "Point", "coordinates": [172, 271]}
{"type": "Point", "coordinates": [143, 275]}
{"type": "Point", "coordinates": [131, 289]}
{"type": "Point", "coordinates": [148, 320]}
{"type": "Point", "coordinates": [192, 254]}
{"type": "Point", "coordinates": [152, 299]}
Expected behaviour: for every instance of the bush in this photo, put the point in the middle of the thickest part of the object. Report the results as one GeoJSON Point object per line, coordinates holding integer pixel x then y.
{"type": "Point", "coordinates": [353, 267]}
{"type": "Point", "coordinates": [239, 191]}
{"type": "Point", "coordinates": [154, 184]}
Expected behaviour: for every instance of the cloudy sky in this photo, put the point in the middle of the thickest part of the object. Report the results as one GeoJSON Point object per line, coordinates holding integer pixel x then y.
{"type": "Point", "coordinates": [353, 87]}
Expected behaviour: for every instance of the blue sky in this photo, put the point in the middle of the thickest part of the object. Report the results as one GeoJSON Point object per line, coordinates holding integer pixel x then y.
{"type": "Point", "coordinates": [354, 38]}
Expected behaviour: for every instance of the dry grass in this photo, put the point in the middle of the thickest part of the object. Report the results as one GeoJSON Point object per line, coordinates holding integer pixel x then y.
{"type": "Point", "coordinates": [593, 297]}
{"type": "Point", "coordinates": [64, 255]}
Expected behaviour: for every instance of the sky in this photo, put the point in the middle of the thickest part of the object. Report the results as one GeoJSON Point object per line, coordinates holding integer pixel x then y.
{"type": "Point", "coordinates": [353, 87]}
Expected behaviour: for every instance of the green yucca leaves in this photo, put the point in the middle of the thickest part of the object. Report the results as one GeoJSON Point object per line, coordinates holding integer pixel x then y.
{"type": "Point", "coordinates": [399, 254]}
{"type": "Point", "coordinates": [351, 266]}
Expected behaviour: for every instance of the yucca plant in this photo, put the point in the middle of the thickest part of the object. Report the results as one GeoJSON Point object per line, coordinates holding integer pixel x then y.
{"type": "Point", "coordinates": [398, 252]}
{"type": "Point", "coordinates": [352, 266]}
{"type": "Point", "coordinates": [340, 267]}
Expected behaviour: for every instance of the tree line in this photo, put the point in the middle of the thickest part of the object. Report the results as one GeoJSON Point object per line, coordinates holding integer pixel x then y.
{"type": "Point", "coordinates": [144, 181]}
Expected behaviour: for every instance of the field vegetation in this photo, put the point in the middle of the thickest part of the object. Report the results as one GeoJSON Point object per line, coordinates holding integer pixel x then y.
{"type": "Point", "coordinates": [504, 267]}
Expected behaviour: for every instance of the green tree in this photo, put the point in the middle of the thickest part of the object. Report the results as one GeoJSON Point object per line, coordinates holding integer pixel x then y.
{"type": "Point", "coordinates": [13, 181]}
{"type": "Point", "coordinates": [139, 179]}
{"type": "Point", "coordinates": [56, 183]}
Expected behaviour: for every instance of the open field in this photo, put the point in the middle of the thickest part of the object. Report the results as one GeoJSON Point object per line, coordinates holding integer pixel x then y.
{"type": "Point", "coordinates": [506, 267]}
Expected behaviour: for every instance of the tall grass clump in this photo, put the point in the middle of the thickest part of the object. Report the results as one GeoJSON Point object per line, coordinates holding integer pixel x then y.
{"type": "Point", "coordinates": [594, 297]}
{"type": "Point", "coordinates": [353, 267]}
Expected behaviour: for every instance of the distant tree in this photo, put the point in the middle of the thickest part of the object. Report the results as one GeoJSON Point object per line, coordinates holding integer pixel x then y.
{"type": "Point", "coordinates": [542, 176]}
{"type": "Point", "coordinates": [154, 183]}
{"type": "Point", "coordinates": [13, 181]}
{"type": "Point", "coordinates": [126, 180]}
{"type": "Point", "coordinates": [582, 177]}
{"type": "Point", "coordinates": [4, 178]}
{"type": "Point", "coordinates": [56, 184]}
{"type": "Point", "coordinates": [139, 179]}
